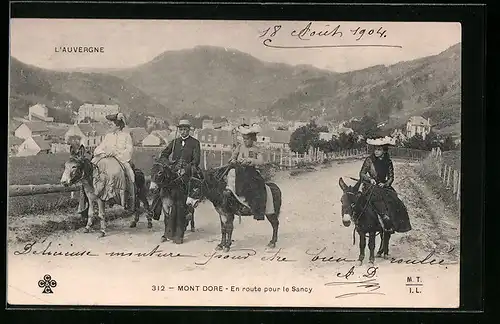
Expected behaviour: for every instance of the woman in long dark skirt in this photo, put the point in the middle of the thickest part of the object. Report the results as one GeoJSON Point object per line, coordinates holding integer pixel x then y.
{"type": "Point", "coordinates": [377, 175]}
{"type": "Point", "coordinates": [243, 177]}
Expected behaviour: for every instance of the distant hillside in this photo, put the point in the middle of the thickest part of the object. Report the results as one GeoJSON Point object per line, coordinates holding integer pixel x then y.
{"type": "Point", "coordinates": [429, 86]}
{"type": "Point", "coordinates": [30, 85]}
{"type": "Point", "coordinates": [217, 81]}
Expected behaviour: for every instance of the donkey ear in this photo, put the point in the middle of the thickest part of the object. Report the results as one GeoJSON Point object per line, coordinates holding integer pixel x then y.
{"type": "Point", "coordinates": [81, 151]}
{"type": "Point", "coordinates": [72, 150]}
{"type": "Point", "coordinates": [342, 184]}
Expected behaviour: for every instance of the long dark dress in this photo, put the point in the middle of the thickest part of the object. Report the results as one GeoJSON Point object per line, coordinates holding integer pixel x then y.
{"type": "Point", "coordinates": [384, 200]}
{"type": "Point", "coordinates": [249, 183]}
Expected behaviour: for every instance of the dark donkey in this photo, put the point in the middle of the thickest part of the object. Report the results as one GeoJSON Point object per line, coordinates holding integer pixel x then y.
{"type": "Point", "coordinates": [173, 199]}
{"type": "Point", "coordinates": [80, 169]}
{"type": "Point", "coordinates": [210, 184]}
{"type": "Point", "coordinates": [356, 206]}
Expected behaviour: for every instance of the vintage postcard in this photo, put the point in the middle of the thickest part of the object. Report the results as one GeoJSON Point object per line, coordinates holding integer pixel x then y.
{"type": "Point", "coordinates": [234, 163]}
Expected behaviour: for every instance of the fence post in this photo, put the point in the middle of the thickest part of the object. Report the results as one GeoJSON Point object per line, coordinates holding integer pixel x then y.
{"type": "Point", "coordinates": [449, 177]}
{"type": "Point", "coordinates": [221, 157]}
{"type": "Point", "coordinates": [455, 178]}
{"type": "Point", "coordinates": [458, 186]}
{"type": "Point", "coordinates": [205, 159]}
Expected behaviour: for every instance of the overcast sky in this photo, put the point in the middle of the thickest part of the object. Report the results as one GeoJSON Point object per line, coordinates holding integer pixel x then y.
{"type": "Point", "coordinates": [132, 42]}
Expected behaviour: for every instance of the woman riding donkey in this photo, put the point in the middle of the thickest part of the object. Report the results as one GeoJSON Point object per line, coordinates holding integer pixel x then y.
{"type": "Point", "coordinates": [126, 190]}
{"type": "Point", "coordinates": [377, 176]}
{"type": "Point", "coordinates": [243, 178]}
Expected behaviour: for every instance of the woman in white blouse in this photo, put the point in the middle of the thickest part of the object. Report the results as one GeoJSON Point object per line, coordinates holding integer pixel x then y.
{"type": "Point", "coordinates": [117, 143]}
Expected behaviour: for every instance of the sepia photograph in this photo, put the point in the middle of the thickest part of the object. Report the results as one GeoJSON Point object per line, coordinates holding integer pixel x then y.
{"type": "Point", "coordinates": [249, 163]}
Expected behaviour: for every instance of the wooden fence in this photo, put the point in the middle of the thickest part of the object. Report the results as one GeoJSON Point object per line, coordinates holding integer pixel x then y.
{"type": "Point", "coordinates": [449, 175]}
{"type": "Point", "coordinates": [284, 160]}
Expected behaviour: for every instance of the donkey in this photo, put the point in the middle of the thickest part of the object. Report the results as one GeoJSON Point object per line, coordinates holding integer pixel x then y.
{"type": "Point", "coordinates": [173, 200]}
{"type": "Point", "coordinates": [80, 169]}
{"type": "Point", "coordinates": [210, 185]}
{"type": "Point", "coordinates": [357, 207]}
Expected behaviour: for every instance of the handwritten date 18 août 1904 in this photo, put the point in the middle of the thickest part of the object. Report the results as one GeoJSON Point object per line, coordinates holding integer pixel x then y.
{"type": "Point", "coordinates": [309, 32]}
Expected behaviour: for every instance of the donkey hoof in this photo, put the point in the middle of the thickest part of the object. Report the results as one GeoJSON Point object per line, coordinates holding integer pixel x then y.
{"type": "Point", "coordinates": [386, 256]}
{"type": "Point", "coordinates": [360, 262]}
{"type": "Point", "coordinates": [86, 230]}
{"type": "Point", "coordinates": [271, 245]}
{"type": "Point", "coordinates": [101, 234]}
{"type": "Point", "coordinates": [219, 247]}
{"type": "Point", "coordinates": [193, 229]}
{"type": "Point", "coordinates": [133, 224]}
{"type": "Point", "coordinates": [150, 225]}
{"type": "Point", "coordinates": [226, 249]}
{"type": "Point", "coordinates": [371, 261]}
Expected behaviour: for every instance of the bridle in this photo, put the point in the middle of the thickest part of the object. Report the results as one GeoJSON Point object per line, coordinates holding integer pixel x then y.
{"type": "Point", "coordinates": [353, 208]}
{"type": "Point", "coordinates": [80, 161]}
{"type": "Point", "coordinates": [172, 182]}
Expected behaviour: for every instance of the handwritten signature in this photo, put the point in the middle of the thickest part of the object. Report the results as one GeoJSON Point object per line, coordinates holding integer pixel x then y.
{"type": "Point", "coordinates": [370, 284]}
{"type": "Point", "coordinates": [310, 31]}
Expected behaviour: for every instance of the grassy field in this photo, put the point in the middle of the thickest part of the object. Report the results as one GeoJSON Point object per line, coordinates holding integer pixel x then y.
{"type": "Point", "coordinates": [427, 170]}
{"type": "Point", "coordinates": [452, 158]}
{"type": "Point", "coordinates": [47, 169]}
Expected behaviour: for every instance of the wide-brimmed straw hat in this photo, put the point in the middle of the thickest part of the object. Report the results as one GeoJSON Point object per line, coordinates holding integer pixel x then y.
{"type": "Point", "coordinates": [184, 123]}
{"type": "Point", "coordinates": [381, 141]}
{"type": "Point", "coordinates": [116, 117]}
{"type": "Point", "coordinates": [245, 129]}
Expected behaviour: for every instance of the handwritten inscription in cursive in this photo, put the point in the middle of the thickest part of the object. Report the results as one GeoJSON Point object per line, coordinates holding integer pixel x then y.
{"type": "Point", "coordinates": [49, 250]}
{"type": "Point", "coordinates": [315, 31]}
{"type": "Point", "coordinates": [155, 252]}
{"type": "Point", "coordinates": [318, 257]}
{"type": "Point", "coordinates": [237, 254]}
{"type": "Point", "coordinates": [276, 257]}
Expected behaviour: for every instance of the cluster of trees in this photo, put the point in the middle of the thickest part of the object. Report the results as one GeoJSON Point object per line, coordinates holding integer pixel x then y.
{"type": "Point", "coordinates": [308, 136]}
{"type": "Point", "coordinates": [136, 119]}
{"type": "Point", "coordinates": [432, 140]}
{"type": "Point", "coordinates": [197, 122]}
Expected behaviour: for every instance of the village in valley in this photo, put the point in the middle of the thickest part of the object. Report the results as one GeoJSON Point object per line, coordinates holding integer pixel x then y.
{"type": "Point", "coordinates": [38, 133]}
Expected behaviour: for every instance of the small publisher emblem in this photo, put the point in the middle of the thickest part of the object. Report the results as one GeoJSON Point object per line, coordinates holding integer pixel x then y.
{"type": "Point", "coordinates": [47, 283]}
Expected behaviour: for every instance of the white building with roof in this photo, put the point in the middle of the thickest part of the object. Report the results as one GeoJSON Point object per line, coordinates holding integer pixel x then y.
{"type": "Point", "coordinates": [418, 125]}
{"type": "Point", "coordinates": [96, 112]}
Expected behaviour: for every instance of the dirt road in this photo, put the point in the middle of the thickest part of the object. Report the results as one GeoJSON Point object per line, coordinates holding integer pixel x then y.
{"type": "Point", "coordinates": [314, 249]}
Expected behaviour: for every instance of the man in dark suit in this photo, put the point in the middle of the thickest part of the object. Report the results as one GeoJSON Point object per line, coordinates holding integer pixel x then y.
{"type": "Point", "coordinates": [184, 153]}
{"type": "Point", "coordinates": [184, 149]}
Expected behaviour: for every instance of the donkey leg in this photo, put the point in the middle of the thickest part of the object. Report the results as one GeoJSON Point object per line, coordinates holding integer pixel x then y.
{"type": "Point", "coordinates": [191, 210]}
{"type": "Point", "coordinates": [229, 232]}
{"type": "Point", "coordinates": [90, 217]}
{"type": "Point", "coordinates": [223, 220]}
{"type": "Point", "coordinates": [273, 219]}
{"type": "Point", "coordinates": [222, 243]}
{"type": "Point", "coordinates": [166, 211]}
{"type": "Point", "coordinates": [134, 222]}
{"type": "Point", "coordinates": [371, 246]}
{"type": "Point", "coordinates": [381, 247]}
{"type": "Point", "coordinates": [362, 246]}
{"type": "Point", "coordinates": [100, 204]}
{"type": "Point", "coordinates": [149, 215]}
{"type": "Point", "coordinates": [387, 237]}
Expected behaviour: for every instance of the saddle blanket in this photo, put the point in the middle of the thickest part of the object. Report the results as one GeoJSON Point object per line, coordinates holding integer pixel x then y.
{"type": "Point", "coordinates": [231, 185]}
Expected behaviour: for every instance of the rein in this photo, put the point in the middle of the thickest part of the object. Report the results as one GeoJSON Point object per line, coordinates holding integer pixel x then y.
{"type": "Point", "coordinates": [356, 219]}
